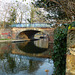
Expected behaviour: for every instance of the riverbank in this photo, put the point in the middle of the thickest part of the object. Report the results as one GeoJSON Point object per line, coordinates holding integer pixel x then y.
{"type": "Point", "coordinates": [13, 40]}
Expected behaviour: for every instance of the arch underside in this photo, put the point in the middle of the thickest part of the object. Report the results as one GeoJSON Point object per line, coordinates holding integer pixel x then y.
{"type": "Point", "coordinates": [28, 34]}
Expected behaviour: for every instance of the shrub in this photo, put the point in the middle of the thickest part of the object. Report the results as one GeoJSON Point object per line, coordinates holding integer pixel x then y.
{"type": "Point", "coordinates": [60, 47]}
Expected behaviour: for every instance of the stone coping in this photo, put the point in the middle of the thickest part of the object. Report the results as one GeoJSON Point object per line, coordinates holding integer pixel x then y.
{"type": "Point", "coordinates": [73, 29]}
{"type": "Point", "coordinates": [12, 40]}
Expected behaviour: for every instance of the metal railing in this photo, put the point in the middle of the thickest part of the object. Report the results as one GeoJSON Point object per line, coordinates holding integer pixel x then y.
{"type": "Point", "coordinates": [30, 25]}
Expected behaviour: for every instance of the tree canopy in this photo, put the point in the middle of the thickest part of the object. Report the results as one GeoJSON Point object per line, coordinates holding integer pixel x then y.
{"type": "Point", "coordinates": [60, 8]}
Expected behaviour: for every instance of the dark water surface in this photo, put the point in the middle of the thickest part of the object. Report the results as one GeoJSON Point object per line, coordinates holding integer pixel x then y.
{"type": "Point", "coordinates": [25, 58]}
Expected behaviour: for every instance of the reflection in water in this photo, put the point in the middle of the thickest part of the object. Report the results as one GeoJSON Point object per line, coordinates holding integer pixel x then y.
{"type": "Point", "coordinates": [21, 65]}
{"type": "Point", "coordinates": [5, 47]}
{"type": "Point", "coordinates": [33, 46]}
{"type": "Point", "coordinates": [14, 64]}
{"type": "Point", "coordinates": [43, 43]}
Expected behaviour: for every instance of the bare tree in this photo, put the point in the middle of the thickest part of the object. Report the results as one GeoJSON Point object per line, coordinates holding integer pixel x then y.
{"type": "Point", "coordinates": [37, 15]}
{"type": "Point", "coordinates": [14, 12]}
{"type": "Point", "coordinates": [6, 7]}
{"type": "Point", "coordinates": [22, 10]}
{"type": "Point", "coordinates": [62, 9]}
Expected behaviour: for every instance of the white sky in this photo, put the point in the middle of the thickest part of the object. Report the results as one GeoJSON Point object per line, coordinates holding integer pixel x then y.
{"type": "Point", "coordinates": [2, 2]}
{"type": "Point", "coordinates": [27, 1]}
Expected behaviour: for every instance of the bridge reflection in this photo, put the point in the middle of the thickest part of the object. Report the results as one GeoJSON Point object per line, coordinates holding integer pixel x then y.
{"type": "Point", "coordinates": [16, 59]}
{"type": "Point", "coordinates": [37, 48]}
{"type": "Point", "coordinates": [30, 47]}
{"type": "Point", "coordinates": [33, 48]}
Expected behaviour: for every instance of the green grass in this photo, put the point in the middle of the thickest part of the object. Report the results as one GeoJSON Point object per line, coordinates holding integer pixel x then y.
{"type": "Point", "coordinates": [5, 39]}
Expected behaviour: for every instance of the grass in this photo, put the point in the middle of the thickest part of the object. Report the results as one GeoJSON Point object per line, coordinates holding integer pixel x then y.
{"type": "Point", "coordinates": [5, 39]}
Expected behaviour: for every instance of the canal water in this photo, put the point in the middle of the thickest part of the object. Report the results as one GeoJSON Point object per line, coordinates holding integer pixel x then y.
{"type": "Point", "coordinates": [26, 58]}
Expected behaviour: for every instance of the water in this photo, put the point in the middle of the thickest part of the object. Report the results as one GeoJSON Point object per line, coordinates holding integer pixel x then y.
{"type": "Point", "coordinates": [25, 58]}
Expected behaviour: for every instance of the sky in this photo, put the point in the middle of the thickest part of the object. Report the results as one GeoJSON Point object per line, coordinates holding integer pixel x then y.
{"type": "Point", "coordinates": [2, 2]}
{"type": "Point", "coordinates": [8, 1]}
{"type": "Point", "coordinates": [26, 2]}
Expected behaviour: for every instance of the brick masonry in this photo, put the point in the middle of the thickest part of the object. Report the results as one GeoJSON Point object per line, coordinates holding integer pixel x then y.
{"type": "Point", "coordinates": [5, 34]}
{"type": "Point", "coordinates": [49, 31]}
{"type": "Point", "coordinates": [11, 33]}
{"type": "Point", "coordinates": [51, 35]}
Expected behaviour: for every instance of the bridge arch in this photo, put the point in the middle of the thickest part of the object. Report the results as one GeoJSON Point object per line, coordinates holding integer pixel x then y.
{"type": "Point", "coordinates": [28, 34]}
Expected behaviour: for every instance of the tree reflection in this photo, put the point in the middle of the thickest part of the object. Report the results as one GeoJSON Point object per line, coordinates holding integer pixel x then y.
{"type": "Point", "coordinates": [13, 66]}
{"type": "Point", "coordinates": [34, 66]}
{"type": "Point", "coordinates": [10, 64]}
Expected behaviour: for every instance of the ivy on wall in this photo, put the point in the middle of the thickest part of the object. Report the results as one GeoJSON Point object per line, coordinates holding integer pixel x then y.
{"type": "Point", "coordinates": [60, 47]}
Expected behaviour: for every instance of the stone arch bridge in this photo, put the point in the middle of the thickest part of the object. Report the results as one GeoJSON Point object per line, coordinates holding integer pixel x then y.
{"type": "Point", "coordinates": [28, 33]}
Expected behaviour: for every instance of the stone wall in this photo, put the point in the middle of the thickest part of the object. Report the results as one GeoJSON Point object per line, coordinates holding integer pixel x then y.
{"type": "Point", "coordinates": [71, 38]}
{"type": "Point", "coordinates": [51, 35]}
{"type": "Point", "coordinates": [70, 59]}
{"type": "Point", "coordinates": [5, 34]}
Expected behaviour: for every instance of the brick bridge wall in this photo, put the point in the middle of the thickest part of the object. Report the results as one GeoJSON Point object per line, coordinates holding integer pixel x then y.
{"type": "Point", "coordinates": [5, 34]}
{"type": "Point", "coordinates": [49, 31]}
{"type": "Point", "coordinates": [11, 33]}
